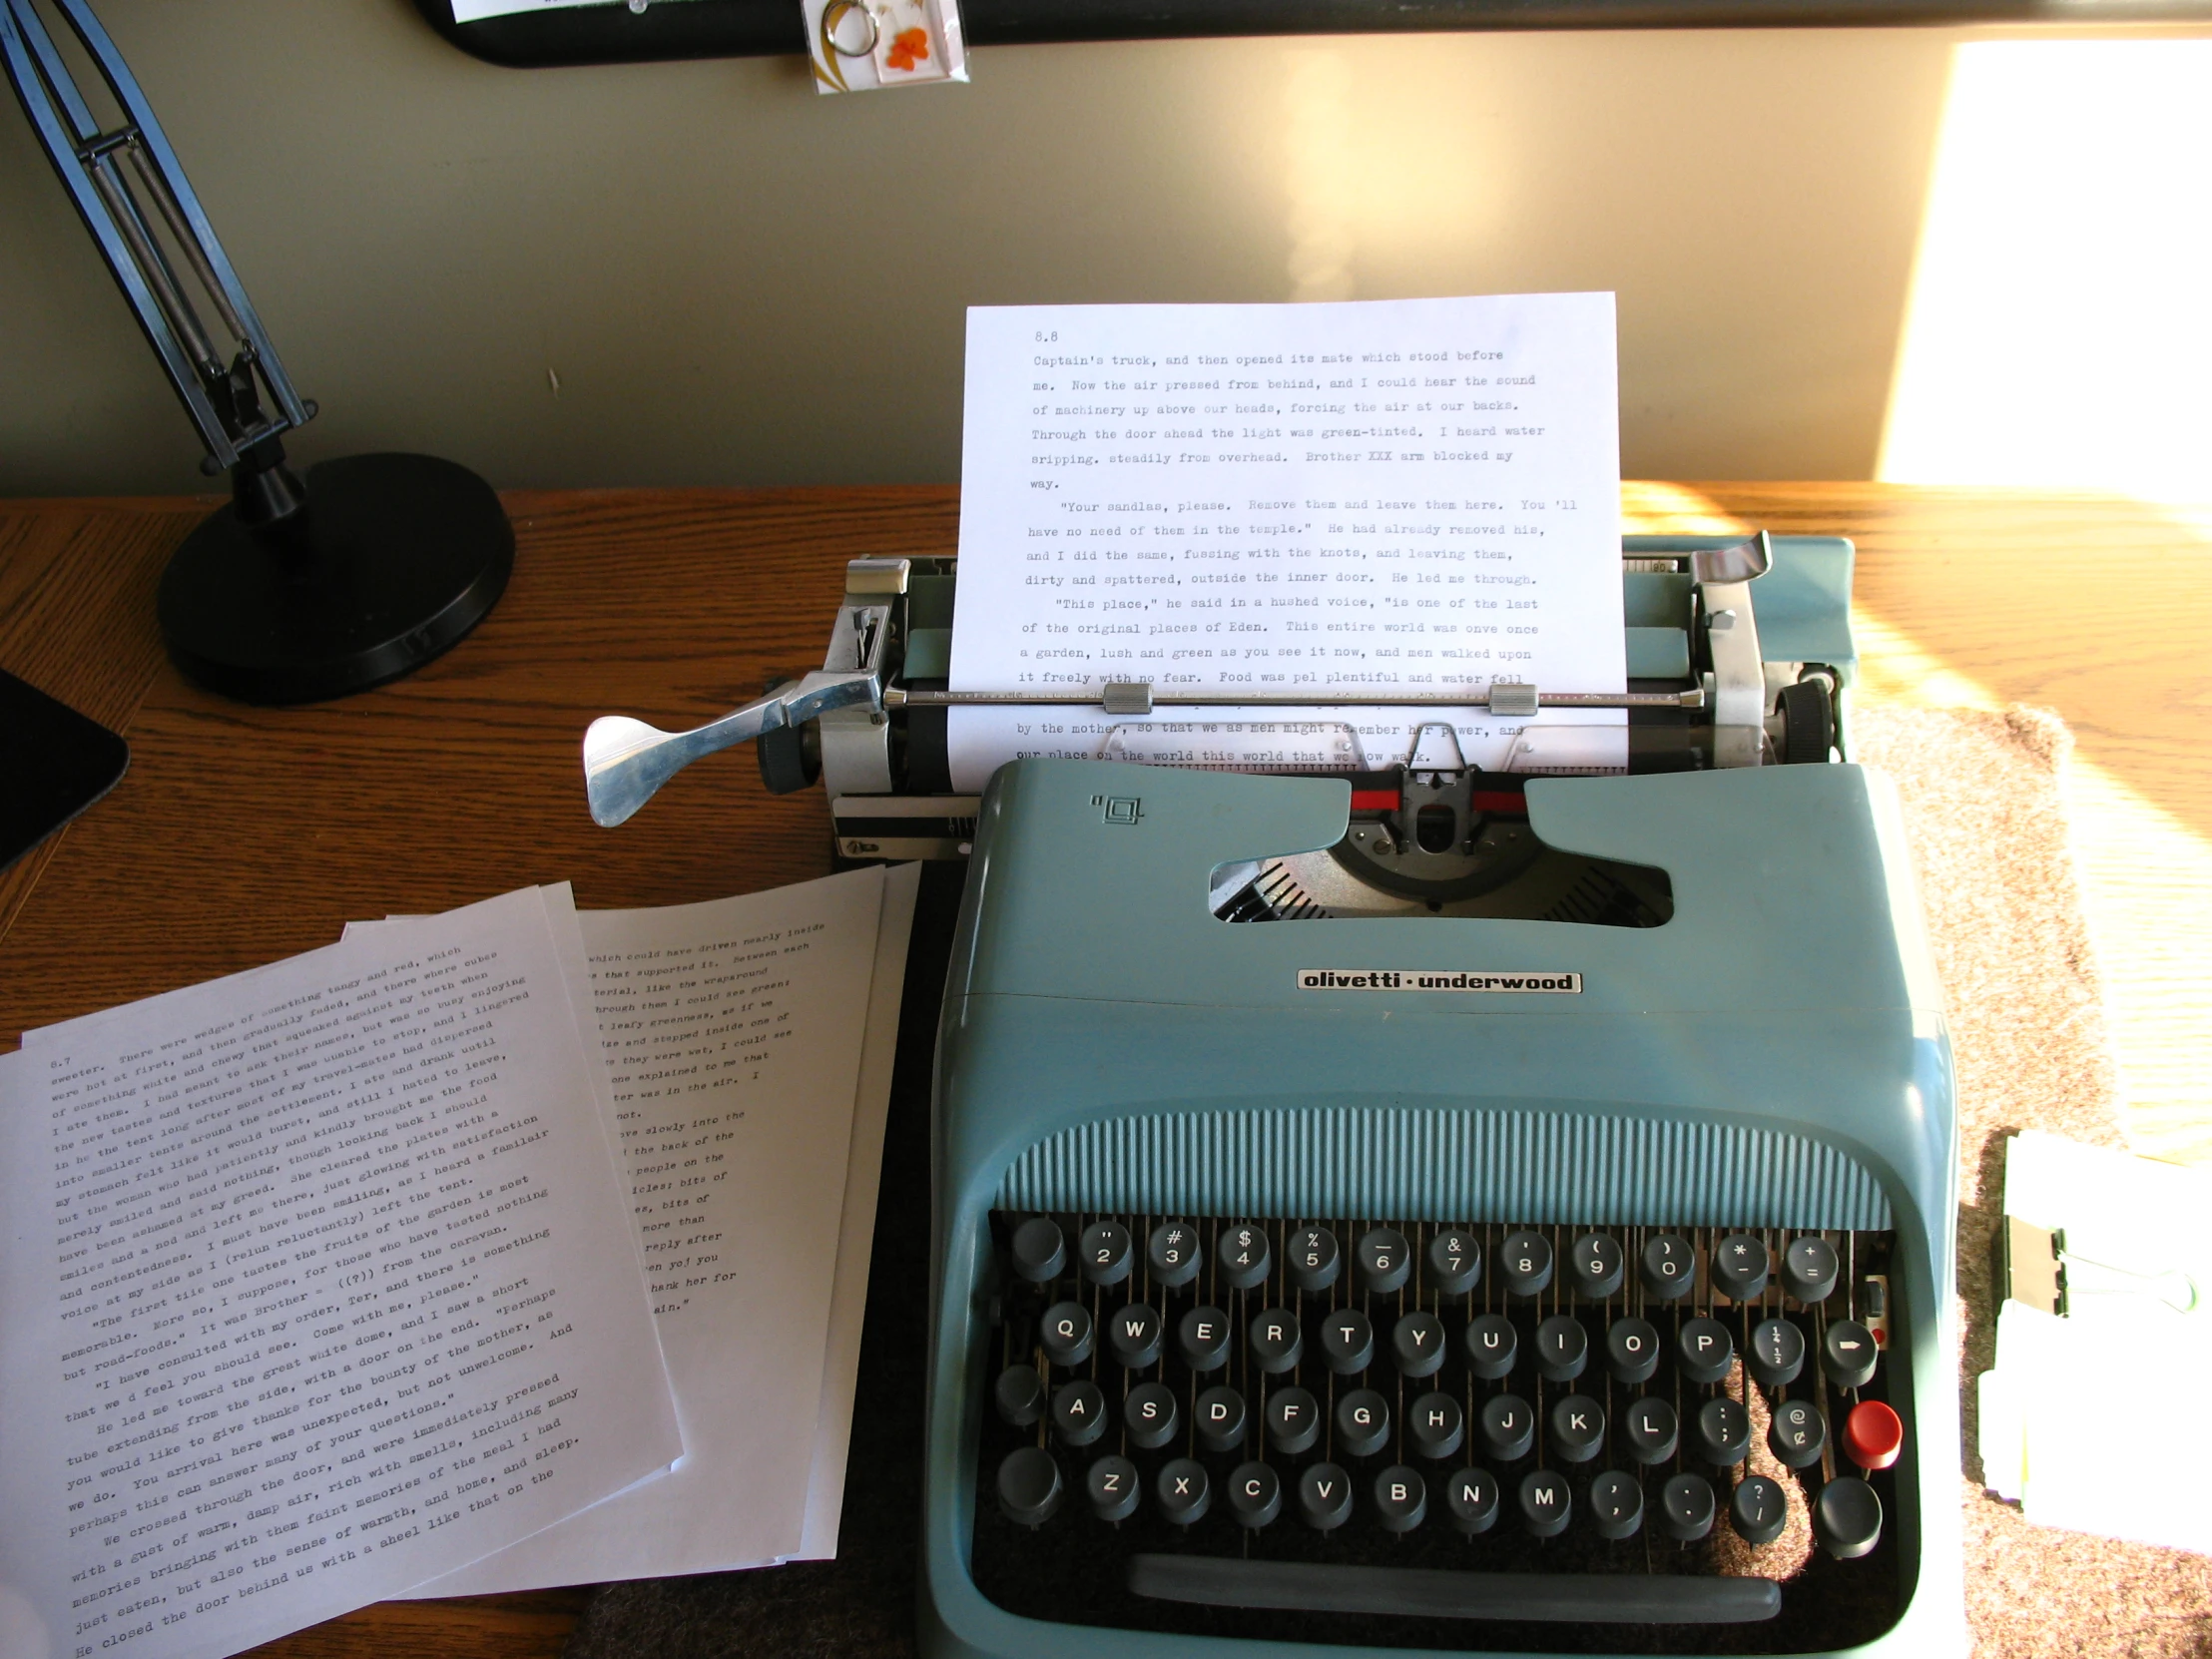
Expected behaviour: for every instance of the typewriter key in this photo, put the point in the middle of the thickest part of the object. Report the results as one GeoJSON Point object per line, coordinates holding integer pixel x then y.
{"type": "Point", "coordinates": [1472, 1497]}
{"type": "Point", "coordinates": [1203, 1336]}
{"type": "Point", "coordinates": [1174, 1253]}
{"type": "Point", "coordinates": [1065, 1333]}
{"type": "Point", "coordinates": [1758, 1510]}
{"type": "Point", "coordinates": [1134, 1336]}
{"type": "Point", "coordinates": [1873, 1435]}
{"type": "Point", "coordinates": [1019, 1395]}
{"type": "Point", "coordinates": [1028, 1485]}
{"type": "Point", "coordinates": [1386, 1259]}
{"type": "Point", "coordinates": [1348, 1341]}
{"type": "Point", "coordinates": [1455, 1261]}
{"type": "Point", "coordinates": [1652, 1428]}
{"type": "Point", "coordinates": [1417, 1344]}
{"type": "Point", "coordinates": [1040, 1251]}
{"type": "Point", "coordinates": [1721, 1432]}
{"type": "Point", "coordinates": [1221, 1418]}
{"type": "Point", "coordinates": [1810, 1269]}
{"type": "Point", "coordinates": [1687, 1507]}
{"type": "Point", "coordinates": [1079, 1413]}
{"type": "Point", "coordinates": [1669, 1267]}
{"type": "Point", "coordinates": [1507, 1425]}
{"type": "Point", "coordinates": [1315, 1262]}
{"type": "Point", "coordinates": [1492, 1345]}
{"type": "Point", "coordinates": [1106, 1252]}
{"type": "Point", "coordinates": [1739, 1266]}
{"type": "Point", "coordinates": [1255, 1494]}
{"type": "Point", "coordinates": [1617, 1504]}
{"type": "Point", "coordinates": [1632, 1350]}
{"type": "Point", "coordinates": [1524, 1263]}
{"type": "Point", "coordinates": [1276, 1342]}
{"type": "Point", "coordinates": [1596, 1265]}
{"type": "Point", "coordinates": [1848, 1518]}
{"type": "Point", "coordinates": [1184, 1490]}
{"type": "Point", "coordinates": [1152, 1416]}
{"type": "Point", "coordinates": [1546, 1503]}
{"type": "Point", "coordinates": [1400, 1499]}
{"type": "Point", "coordinates": [1797, 1435]}
{"type": "Point", "coordinates": [1848, 1354]}
{"type": "Point", "coordinates": [1362, 1422]}
{"type": "Point", "coordinates": [1113, 1488]}
{"type": "Point", "coordinates": [1325, 1496]}
{"type": "Point", "coordinates": [1562, 1349]}
{"type": "Point", "coordinates": [1577, 1428]}
{"type": "Point", "coordinates": [1776, 1353]}
{"type": "Point", "coordinates": [1244, 1257]}
{"type": "Point", "coordinates": [1436, 1426]}
{"type": "Point", "coordinates": [1703, 1350]}
{"type": "Point", "coordinates": [1294, 1420]}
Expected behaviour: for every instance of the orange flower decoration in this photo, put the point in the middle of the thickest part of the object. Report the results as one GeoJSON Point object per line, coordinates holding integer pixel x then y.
{"type": "Point", "coordinates": [906, 46]}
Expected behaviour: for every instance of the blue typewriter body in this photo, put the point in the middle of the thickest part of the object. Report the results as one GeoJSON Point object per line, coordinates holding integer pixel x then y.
{"type": "Point", "coordinates": [1772, 1057]}
{"type": "Point", "coordinates": [1420, 1208]}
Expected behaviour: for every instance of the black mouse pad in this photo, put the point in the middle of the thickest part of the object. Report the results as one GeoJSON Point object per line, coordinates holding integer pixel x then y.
{"type": "Point", "coordinates": [55, 763]}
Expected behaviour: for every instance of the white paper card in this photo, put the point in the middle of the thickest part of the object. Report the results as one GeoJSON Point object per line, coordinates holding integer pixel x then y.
{"type": "Point", "coordinates": [2138, 1275]}
{"type": "Point", "coordinates": [1390, 496]}
{"type": "Point", "coordinates": [474, 11]}
{"type": "Point", "coordinates": [857, 1232]}
{"type": "Point", "coordinates": [735, 1032]}
{"type": "Point", "coordinates": [314, 1281]}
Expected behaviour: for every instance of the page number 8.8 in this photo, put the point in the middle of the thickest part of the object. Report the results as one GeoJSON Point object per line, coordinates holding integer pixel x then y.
{"type": "Point", "coordinates": [1047, 336]}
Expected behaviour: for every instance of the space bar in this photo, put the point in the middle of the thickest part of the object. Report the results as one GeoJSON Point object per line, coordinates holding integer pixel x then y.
{"type": "Point", "coordinates": [1579, 1599]}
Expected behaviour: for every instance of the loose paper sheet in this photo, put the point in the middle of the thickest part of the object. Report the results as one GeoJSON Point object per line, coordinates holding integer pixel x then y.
{"type": "Point", "coordinates": [857, 1232]}
{"type": "Point", "coordinates": [472, 11]}
{"type": "Point", "coordinates": [1382, 496]}
{"type": "Point", "coordinates": [735, 1031]}
{"type": "Point", "coordinates": [314, 1281]}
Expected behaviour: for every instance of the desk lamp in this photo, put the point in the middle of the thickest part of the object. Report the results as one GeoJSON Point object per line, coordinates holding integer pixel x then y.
{"type": "Point", "coordinates": [294, 591]}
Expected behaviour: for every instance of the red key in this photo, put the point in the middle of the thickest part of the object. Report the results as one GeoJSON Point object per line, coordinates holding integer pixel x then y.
{"type": "Point", "coordinates": [1873, 1434]}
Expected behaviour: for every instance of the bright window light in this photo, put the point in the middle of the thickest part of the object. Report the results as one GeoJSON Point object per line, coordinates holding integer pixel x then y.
{"type": "Point", "coordinates": [2059, 327]}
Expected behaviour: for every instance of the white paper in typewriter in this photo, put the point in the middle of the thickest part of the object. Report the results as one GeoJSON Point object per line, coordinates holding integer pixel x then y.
{"type": "Point", "coordinates": [1380, 498]}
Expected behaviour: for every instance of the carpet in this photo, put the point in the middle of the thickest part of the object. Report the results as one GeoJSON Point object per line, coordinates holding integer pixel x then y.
{"type": "Point", "coordinates": [1984, 808]}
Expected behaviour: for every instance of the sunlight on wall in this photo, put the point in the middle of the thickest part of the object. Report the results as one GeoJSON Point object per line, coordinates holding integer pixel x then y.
{"type": "Point", "coordinates": [1318, 155]}
{"type": "Point", "coordinates": [2058, 330]}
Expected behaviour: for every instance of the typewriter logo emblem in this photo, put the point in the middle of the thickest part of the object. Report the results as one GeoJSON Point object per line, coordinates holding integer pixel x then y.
{"type": "Point", "coordinates": [1118, 808]}
{"type": "Point", "coordinates": [1432, 979]}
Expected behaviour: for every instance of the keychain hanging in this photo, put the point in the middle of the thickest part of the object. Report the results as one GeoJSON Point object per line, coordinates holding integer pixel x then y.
{"type": "Point", "coordinates": [866, 44]}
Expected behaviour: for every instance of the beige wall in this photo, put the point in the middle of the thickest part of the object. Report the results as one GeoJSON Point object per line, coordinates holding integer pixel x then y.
{"type": "Point", "coordinates": [738, 281]}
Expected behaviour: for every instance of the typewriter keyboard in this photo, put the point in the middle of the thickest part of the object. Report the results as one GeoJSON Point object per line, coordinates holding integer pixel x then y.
{"type": "Point", "coordinates": [1418, 1435]}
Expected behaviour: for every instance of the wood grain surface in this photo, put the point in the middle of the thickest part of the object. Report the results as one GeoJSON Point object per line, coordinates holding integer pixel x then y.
{"type": "Point", "coordinates": [244, 834]}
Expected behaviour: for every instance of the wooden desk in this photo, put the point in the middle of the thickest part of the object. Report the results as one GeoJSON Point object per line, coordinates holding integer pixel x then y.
{"type": "Point", "coordinates": [244, 834]}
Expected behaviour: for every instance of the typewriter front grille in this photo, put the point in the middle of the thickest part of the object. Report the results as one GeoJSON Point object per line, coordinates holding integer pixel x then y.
{"type": "Point", "coordinates": [1373, 1432]}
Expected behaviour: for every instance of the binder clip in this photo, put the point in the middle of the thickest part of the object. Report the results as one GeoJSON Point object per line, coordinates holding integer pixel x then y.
{"type": "Point", "coordinates": [866, 44]}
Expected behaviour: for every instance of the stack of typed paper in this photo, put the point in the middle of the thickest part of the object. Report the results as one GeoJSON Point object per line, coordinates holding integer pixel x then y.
{"type": "Point", "coordinates": [481, 1251]}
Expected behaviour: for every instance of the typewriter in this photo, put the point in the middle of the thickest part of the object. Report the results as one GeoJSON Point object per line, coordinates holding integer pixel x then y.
{"type": "Point", "coordinates": [1387, 1204]}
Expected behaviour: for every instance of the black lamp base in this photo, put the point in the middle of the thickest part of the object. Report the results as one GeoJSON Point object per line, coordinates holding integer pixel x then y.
{"type": "Point", "coordinates": [393, 559]}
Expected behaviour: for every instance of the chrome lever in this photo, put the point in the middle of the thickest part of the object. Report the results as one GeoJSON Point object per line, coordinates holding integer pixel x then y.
{"type": "Point", "coordinates": [625, 760]}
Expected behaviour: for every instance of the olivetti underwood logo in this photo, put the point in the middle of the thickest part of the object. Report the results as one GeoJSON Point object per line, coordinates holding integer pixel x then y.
{"type": "Point", "coordinates": [1428, 979]}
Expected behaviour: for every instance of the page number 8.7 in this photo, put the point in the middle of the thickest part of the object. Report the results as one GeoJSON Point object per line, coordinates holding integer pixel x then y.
{"type": "Point", "coordinates": [1045, 336]}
